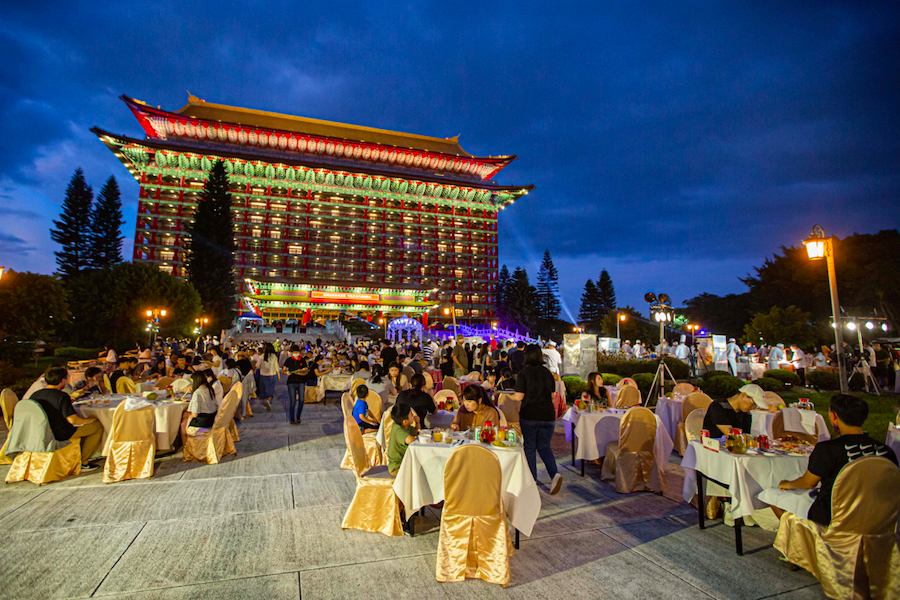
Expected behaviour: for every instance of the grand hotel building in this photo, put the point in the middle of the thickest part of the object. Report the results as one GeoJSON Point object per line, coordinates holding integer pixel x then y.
{"type": "Point", "coordinates": [327, 216]}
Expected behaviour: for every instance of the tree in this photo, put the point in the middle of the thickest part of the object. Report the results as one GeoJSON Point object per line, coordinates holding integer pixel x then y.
{"type": "Point", "coordinates": [72, 231]}
{"type": "Point", "coordinates": [634, 327]}
{"type": "Point", "coordinates": [109, 305]}
{"type": "Point", "coordinates": [548, 289]}
{"type": "Point", "coordinates": [503, 294]}
{"type": "Point", "coordinates": [522, 304]}
{"type": "Point", "coordinates": [210, 249]}
{"type": "Point", "coordinates": [725, 315]}
{"type": "Point", "coordinates": [588, 314]}
{"type": "Point", "coordinates": [781, 325]}
{"type": "Point", "coordinates": [34, 306]}
{"type": "Point", "coordinates": [106, 227]}
{"type": "Point", "coordinates": [606, 294]}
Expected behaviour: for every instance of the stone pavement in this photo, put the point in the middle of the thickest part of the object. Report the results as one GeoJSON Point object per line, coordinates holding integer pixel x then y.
{"type": "Point", "coordinates": [266, 524]}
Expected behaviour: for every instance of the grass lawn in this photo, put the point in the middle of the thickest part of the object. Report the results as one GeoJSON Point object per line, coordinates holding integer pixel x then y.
{"type": "Point", "coordinates": [882, 409]}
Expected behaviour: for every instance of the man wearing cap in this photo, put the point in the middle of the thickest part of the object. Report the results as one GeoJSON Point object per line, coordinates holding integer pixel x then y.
{"type": "Point", "coordinates": [552, 357]}
{"type": "Point", "coordinates": [776, 357]}
{"type": "Point", "coordinates": [682, 352]}
{"type": "Point", "coordinates": [798, 361]}
{"type": "Point", "coordinates": [732, 351]}
{"type": "Point", "coordinates": [639, 349]}
{"type": "Point", "coordinates": [626, 348]}
{"type": "Point", "coordinates": [734, 412]}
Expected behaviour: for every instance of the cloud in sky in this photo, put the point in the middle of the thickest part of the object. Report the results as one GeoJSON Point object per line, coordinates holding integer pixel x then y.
{"type": "Point", "coordinates": [676, 145]}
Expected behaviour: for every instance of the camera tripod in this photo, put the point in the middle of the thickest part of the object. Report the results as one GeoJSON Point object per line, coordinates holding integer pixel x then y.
{"type": "Point", "coordinates": [661, 371]}
{"type": "Point", "coordinates": [862, 367]}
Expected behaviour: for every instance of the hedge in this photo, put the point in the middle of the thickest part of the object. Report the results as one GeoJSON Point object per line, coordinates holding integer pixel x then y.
{"type": "Point", "coordinates": [610, 378]}
{"type": "Point", "coordinates": [73, 353]}
{"type": "Point", "coordinates": [823, 380]}
{"type": "Point", "coordinates": [575, 386]}
{"type": "Point", "coordinates": [722, 386]}
{"type": "Point", "coordinates": [770, 384]}
{"type": "Point", "coordinates": [629, 368]}
{"type": "Point", "coordinates": [784, 376]}
{"type": "Point", "coordinates": [645, 380]}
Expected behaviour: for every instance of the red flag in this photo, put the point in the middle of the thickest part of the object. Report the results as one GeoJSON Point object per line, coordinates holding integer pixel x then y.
{"type": "Point", "coordinates": [307, 316]}
{"type": "Point", "coordinates": [425, 320]}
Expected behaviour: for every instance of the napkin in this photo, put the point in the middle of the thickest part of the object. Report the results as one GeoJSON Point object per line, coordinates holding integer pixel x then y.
{"type": "Point", "coordinates": [136, 402]}
{"type": "Point", "coordinates": [801, 421]}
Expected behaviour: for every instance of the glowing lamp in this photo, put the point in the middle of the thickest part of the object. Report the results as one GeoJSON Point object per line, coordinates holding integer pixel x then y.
{"type": "Point", "coordinates": [851, 326]}
{"type": "Point", "coordinates": [884, 327]}
{"type": "Point", "coordinates": [621, 317]}
{"type": "Point", "coordinates": [149, 313]}
{"type": "Point", "coordinates": [162, 313]}
{"type": "Point", "coordinates": [870, 325]}
{"type": "Point", "coordinates": [815, 248]}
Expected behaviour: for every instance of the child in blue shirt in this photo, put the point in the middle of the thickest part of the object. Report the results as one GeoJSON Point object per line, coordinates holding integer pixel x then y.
{"type": "Point", "coordinates": [361, 411]}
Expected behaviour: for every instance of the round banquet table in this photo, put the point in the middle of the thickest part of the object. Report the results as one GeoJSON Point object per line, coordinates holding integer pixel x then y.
{"type": "Point", "coordinates": [436, 376]}
{"type": "Point", "coordinates": [337, 383]}
{"type": "Point", "coordinates": [669, 412]}
{"type": "Point", "coordinates": [420, 481]}
{"type": "Point", "coordinates": [595, 430]}
{"type": "Point", "coordinates": [761, 423]}
{"type": "Point", "coordinates": [442, 419]}
{"type": "Point", "coordinates": [167, 413]}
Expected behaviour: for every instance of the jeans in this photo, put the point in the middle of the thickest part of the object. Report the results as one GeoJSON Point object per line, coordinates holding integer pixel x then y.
{"type": "Point", "coordinates": [537, 436]}
{"type": "Point", "coordinates": [296, 393]}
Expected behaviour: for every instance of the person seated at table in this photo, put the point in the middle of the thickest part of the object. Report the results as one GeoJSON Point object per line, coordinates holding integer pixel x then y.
{"type": "Point", "coordinates": [475, 411]}
{"type": "Point", "coordinates": [490, 381]}
{"type": "Point", "coordinates": [201, 411]}
{"type": "Point", "coordinates": [361, 411]}
{"type": "Point", "coordinates": [180, 368]}
{"type": "Point", "coordinates": [362, 371]}
{"type": "Point", "coordinates": [91, 384]}
{"type": "Point", "coordinates": [231, 371]}
{"type": "Point", "coordinates": [64, 421]}
{"type": "Point", "coordinates": [847, 414]}
{"type": "Point", "coordinates": [595, 391]}
{"type": "Point", "coordinates": [377, 382]}
{"type": "Point", "coordinates": [417, 398]}
{"type": "Point", "coordinates": [396, 378]}
{"type": "Point", "coordinates": [403, 433]}
{"type": "Point", "coordinates": [215, 359]}
{"type": "Point", "coordinates": [216, 385]}
{"type": "Point", "coordinates": [734, 413]}
{"type": "Point", "coordinates": [126, 369]}
{"type": "Point", "coordinates": [507, 381]}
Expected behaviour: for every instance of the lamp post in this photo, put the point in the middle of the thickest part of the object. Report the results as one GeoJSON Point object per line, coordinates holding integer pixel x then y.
{"type": "Point", "coordinates": [818, 247]}
{"type": "Point", "coordinates": [451, 310]}
{"type": "Point", "coordinates": [619, 319]}
{"type": "Point", "coordinates": [384, 322]}
{"type": "Point", "coordinates": [662, 312]}
{"type": "Point", "coordinates": [153, 316]}
{"type": "Point", "coordinates": [200, 323]}
{"type": "Point", "coordinates": [692, 327]}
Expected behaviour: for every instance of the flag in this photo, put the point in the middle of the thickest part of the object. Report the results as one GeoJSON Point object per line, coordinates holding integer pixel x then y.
{"type": "Point", "coordinates": [307, 316]}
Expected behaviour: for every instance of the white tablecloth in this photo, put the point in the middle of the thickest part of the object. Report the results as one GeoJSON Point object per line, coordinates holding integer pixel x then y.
{"type": "Point", "coordinates": [168, 419]}
{"type": "Point", "coordinates": [669, 412]}
{"type": "Point", "coordinates": [595, 430]}
{"type": "Point", "coordinates": [440, 420]}
{"type": "Point", "coordinates": [893, 439]}
{"type": "Point", "coordinates": [420, 482]}
{"type": "Point", "coordinates": [337, 383]}
{"type": "Point", "coordinates": [762, 423]}
{"type": "Point", "coordinates": [744, 475]}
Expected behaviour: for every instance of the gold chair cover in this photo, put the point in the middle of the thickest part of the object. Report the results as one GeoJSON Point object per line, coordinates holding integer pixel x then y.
{"type": "Point", "coordinates": [450, 383]}
{"type": "Point", "coordinates": [211, 446]}
{"type": "Point", "coordinates": [474, 540]}
{"type": "Point", "coordinates": [355, 384]}
{"type": "Point", "coordinates": [163, 382]}
{"type": "Point", "coordinates": [780, 433]}
{"type": "Point", "coordinates": [693, 401]}
{"type": "Point", "coordinates": [125, 385]}
{"type": "Point", "coordinates": [429, 381]}
{"type": "Point", "coordinates": [693, 424]}
{"type": "Point", "coordinates": [627, 381]}
{"type": "Point", "coordinates": [238, 388]}
{"type": "Point", "coordinates": [132, 445]}
{"type": "Point", "coordinates": [8, 401]}
{"type": "Point", "coordinates": [509, 408]}
{"type": "Point", "coordinates": [373, 450]}
{"type": "Point", "coordinates": [445, 395]}
{"type": "Point", "coordinates": [773, 399]}
{"type": "Point", "coordinates": [387, 423]}
{"type": "Point", "coordinates": [630, 461]}
{"type": "Point", "coordinates": [408, 372]}
{"type": "Point", "coordinates": [683, 389]}
{"type": "Point", "coordinates": [856, 556]}
{"type": "Point", "coordinates": [43, 467]}
{"type": "Point", "coordinates": [107, 384]}
{"type": "Point", "coordinates": [628, 396]}
{"type": "Point", "coordinates": [226, 383]}
{"type": "Point", "coordinates": [374, 507]}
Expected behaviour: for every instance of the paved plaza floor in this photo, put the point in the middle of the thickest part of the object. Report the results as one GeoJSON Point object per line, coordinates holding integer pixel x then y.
{"type": "Point", "coordinates": [266, 524]}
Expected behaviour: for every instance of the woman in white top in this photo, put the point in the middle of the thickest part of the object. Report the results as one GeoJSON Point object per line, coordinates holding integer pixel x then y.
{"type": "Point", "coordinates": [202, 408]}
{"type": "Point", "coordinates": [216, 361]}
{"type": "Point", "coordinates": [269, 373]}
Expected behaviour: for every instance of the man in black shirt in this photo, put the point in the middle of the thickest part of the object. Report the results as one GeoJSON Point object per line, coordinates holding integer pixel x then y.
{"type": "Point", "coordinates": [64, 421]}
{"type": "Point", "coordinates": [734, 412]}
{"type": "Point", "coordinates": [126, 366]}
{"type": "Point", "coordinates": [847, 414]}
{"type": "Point", "coordinates": [517, 358]}
{"type": "Point", "coordinates": [388, 355]}
{"type": "Point", "coordinates": [296, 369]}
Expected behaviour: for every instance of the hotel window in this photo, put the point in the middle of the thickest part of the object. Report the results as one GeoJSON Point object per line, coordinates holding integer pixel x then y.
{"type": "Point", "coordinates": [166, 255]}
{"type": "Point", "coordinates": [256, 218]}
{"type": "Point", "coordinates": [167, 240]}
{"type": "Point", "coordinates": [459, 273]}
{"type": "Point", "coordinates": [277, 220]}
{"type": "Point", "coordinates": [165, 268]}
{"type": "Point", "coordinates": [256, 232]}
{"type": "Point", "coordinates": [258, 205]}
{"type": "Point", "coordinates": [293, 249]}
{"type": "Point", "coordinates": [275, 234]}
{"type": "Point", "coordinates": [442, 247]}
{"type": "Point", "coordinates": [335, 239]}
{"type": "Point", "coordinates": [275, 206]}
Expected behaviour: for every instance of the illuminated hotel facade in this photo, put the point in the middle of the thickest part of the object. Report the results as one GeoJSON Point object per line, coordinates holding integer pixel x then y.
{"type": "Point", "coordinates": [327, 216]}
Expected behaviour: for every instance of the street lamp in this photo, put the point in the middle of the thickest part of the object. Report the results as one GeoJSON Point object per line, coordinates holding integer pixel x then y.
{"type": "Point", "coordinates": [662, 312]}
{"type": "Point", "coordinates": [382, 321]}
{"type": "Point", "coordinates": [153, 316]}
{"type": "Point", "coordinates": [693, 327]}
{"type": "Point", "coordinates": [620, 318]}
{"type": "Point", "coordinates": [451, 310]}
{"type": "Point", "coordinates": [200, 323]}
{"type": "Point", "coordinates": [818, 247]}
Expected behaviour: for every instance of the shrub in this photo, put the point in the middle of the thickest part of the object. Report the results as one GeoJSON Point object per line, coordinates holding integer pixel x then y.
{"type": "Point", "coordinates": [722, 386]}
{"type": "Point", "coordinates": [823, 380]}
{"type": "Point", "coordinates": [644, 381]}
{"type": "Point", "coordinates": [770, 384]}
{"type": "Point", "coordinates": [713, 374]}
{"type": "Point", "coordinates": [628, 368]}
{"type": "Point", "coordinates": [610, 378]}
{"type": "Point", "coordinates": [575, 386]}
{"type": "Point", "coordinates": [607, 366]}
{"type": "Point", "coordinates": [784, 376]}
{"type": "Point", "coordinates": [678, 368]}
{"type": "Point", "coordinates": [72, 353]}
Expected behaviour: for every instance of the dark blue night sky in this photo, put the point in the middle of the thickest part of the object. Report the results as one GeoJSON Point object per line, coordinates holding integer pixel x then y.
{"type": "Point", "coordinates": [675, 144]}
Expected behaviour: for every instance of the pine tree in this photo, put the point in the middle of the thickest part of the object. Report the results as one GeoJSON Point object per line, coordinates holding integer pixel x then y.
{"type": "Point", "coordinates": [588, 312]}
{"type": "Point", "coordinates": [72, 231]}
{"type": "Point", "coordinates": [548, 289]}
{"type": "Point", "coordinates": [606, 294]}
{"type": "Point", "coordinates": [522, 300]}
{"type": "Point", "coordinates": [210, 249]}
{"type": "Point", "coordinates": [503, 294]}
{"type": "Point", "coordinates": [106, 227]}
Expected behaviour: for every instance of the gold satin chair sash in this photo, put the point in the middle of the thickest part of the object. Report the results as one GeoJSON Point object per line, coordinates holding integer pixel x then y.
{"type": "Point", "coordinates": [370, 443]}
{"type": "Point", "coordinates": [693, 401]}
{"type": "Point", "coordinates": [355, 384]}
{"type": "Point", "coordinates": [125, 385]}
{"type": "Point", "coordinates": [226, 383]}
{"type": "Point", "coordinates": [8, 401]}
{"type": "Point", "coordinates": [628, 396]}
{"type": "Point", "coordinates": [238, 389]}
{"type": "Point", "coordinates": [163, 382]}
{"type": "Point", "coordinates": [429, 381]}
{"type": "Point", "coordinates": [683, 389]}
{"type": "Point", "coordinates": [474, 540]}
{"type": "Point", "coordinates": [630, 462]}
{"type": "Point", "coordinates": [627, 381]}
{"type": "Point", "coordinates": [375, 507]}
{"type": "Point", "coordinates": [856, 556]}
{"type": "Point", "coordinates": [107, 384]}
{"type": "Point", "coordinates": [211, 446]}
{"type": "Point", "coordinates": [132, 445]}
{"type": "Point", "coordinates": [693, 424]}
{"type": "Point", "coordinates": [41, 467]}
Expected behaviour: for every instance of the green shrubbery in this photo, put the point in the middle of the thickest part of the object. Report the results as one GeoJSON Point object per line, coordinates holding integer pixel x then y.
{"type": "Point", "coordinates": [610, 378]}
{"type": "Point", "coordinates": [784, 376]}
{"type": "Point", "coordinates": [721, 386]}
{"type": "Point", "coordinates": [629, 368]}
{"type": "Point", "coordinates": [645, 380]}
{"type": "Point", "coordinates": [770, 384]}
{"type": "Point", "coordinates": [73, 353]}
{"type": "Point", "coordinates": [575, 386]}
{"type": "Point", "coordinates": [823, 380]}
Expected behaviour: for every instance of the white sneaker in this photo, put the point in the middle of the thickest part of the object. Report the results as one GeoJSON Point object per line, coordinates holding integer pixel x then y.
{"type": "Point", "coordinates": [555, 484]}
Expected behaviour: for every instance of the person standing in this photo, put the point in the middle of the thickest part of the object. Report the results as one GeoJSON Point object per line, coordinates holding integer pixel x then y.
{"type": "Point", "coordinates": [776, 357]}
{"type": "Point", "coordinates": [798, 361]}
{"type": "Point", "coordinates": [551, 354]}
{"type": "Point", "coordinates": [460, 358]}
{"type": "Point", "coordinates": [295, 368]}
{"type": "Point", "coordinates": [268, 374]}
{"type": "Point", "coordinates": [732, 351]}
{"type": "Point", "coordinates": [537, 416]}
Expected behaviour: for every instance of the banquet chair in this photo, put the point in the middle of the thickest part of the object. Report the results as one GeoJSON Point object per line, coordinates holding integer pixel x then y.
{"type": "Point", "coordinates": [8, 401]}
{"type": "Point", "coordinates": [773, 399]}
{"type": "Point", "coordinates": [693, 424]}
{"type": "Point", "coordinates": [355, 384]}
{"type": "Point", "coordinates": [374, 507]}
{"type": "Point", "coordinates": [446, 395]}
{"type": "Point", "coordinates": [238, 388]}
{"type": "Point", "coordinates": [39, 457]}
{"type": "Point", "coordinates": [370, 441]}
{"type": "Point", "coordinates": [211, 445]}
{"type": "Point", "coordinates": [631, 462]}
{"type": "Point", "coordinates": [248, 390]}
{"type": "Point", "coordinates": [856, 556]}
{"type": "Point", "coordinates": [628, 396]}
{"type": "Point", "coordinates": [429, 381]}
{"type": "Point", "coordinates": [387, 401]}
{"type": "Point", "coordinates": [386, 424]}
{"type": "Point", "coordinates": [509, 408]}
{"type": "Point", "coordinates": [226, 383]}
{"type": "Point", "coordinates": [627, 381]}
{"type": "Point", "coordinates": [474, 541]}
{"type": "Point", "coordinates": [163, 382]}
{"type": "Point", "coordinates": [683, 389]}
{"type": "Point", "coordinates": [450, 383]}
{"type": "Point", "coordinates": [779, 432]}
{"type": "Point", "coordinates": [125, 385]}
{"type": "Point", "coordinates": [474, 376]}
{"type": "Point", "coordinates": [408, 372]}
{"type": "Point", "coordinates": [373, 400]}
{"type": "Point", "coordinates": [107, 384]}
{"type": "Point", "coordinates": [132, 445]}
{"type": "Point", "coordinates": [693, 401]}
